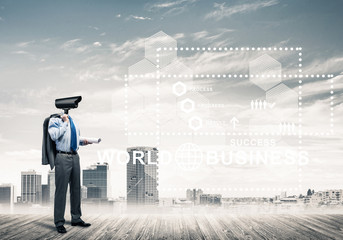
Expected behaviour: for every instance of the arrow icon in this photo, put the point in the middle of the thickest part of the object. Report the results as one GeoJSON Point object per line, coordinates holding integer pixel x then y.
{"type": "Point", "coordinates": [234, 122]}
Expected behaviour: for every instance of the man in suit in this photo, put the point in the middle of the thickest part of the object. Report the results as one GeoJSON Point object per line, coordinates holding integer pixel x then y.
{"type": "Point", "coordinates": [66, 135]}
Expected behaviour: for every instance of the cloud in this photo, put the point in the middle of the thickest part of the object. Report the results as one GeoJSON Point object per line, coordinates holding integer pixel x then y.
{"type": "Point", "coordinates": [70, 43]}
{"type": "Point", "coordinates": [45, 40]}
{"type": "Point", "coordinates": [25, 53]}
{"type": "Point", "coordinates": [170, 8]}
{"type": "Point", "coordinates": [178, 36]}
{"type": "Point", "coordinates": [318, 65]}
{"type": "Point", "coordinates": [20, 52]}
{"type": "Point", "coordinates": [207, 37]}
{"type": "Point", "coordinates": [3, 140]}
{"type": "Point", "coordinates": [321, 88]}
{"type": "Point", "coordinates": [25, 44]}
{"type": "Point", "coordinates": [1, 19]}
{"type": "Point", "coordinates": [131, 47]}
{"type": "Point", "coordinates": [128, 48]}
{"type": "Point", "coordinates": [99, 72]}
{"type": "Point", "coordinates": [175, 11]}
{"type": "Point", "coordinates": [51, 68]}
{"type": "Point", "coordinates": [97, 44]}
{"type": "Point", "coordinates": [94, 28]}
{"type": "Point", "coordinates": [74, 45]}
{"type": "Point", "coordinates": [158, 6]}
{"type": "Point", "coordinates": [138, 18]}
{"type": "Point", "coordinates": [222, 11]}
{"type": "Point", "coordinates": [24, 153]}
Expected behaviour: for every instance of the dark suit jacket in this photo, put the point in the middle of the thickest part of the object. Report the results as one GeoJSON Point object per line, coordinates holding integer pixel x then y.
{"type": "Point", "coordinates": [48, 145]}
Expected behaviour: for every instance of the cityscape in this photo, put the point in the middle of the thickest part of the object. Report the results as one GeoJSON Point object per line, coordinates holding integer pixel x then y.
{"type": "Point", "coordinates": [185, 119]}
{"type": "Point", "coordinates": [142, 190]}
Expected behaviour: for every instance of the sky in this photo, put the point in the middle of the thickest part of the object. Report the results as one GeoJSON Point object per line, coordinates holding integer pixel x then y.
{"type": "Point", "coordinates": [53, 49]}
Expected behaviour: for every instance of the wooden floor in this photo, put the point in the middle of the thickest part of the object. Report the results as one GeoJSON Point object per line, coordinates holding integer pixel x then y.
{"type": "Point", "coordinates": [277, 226]}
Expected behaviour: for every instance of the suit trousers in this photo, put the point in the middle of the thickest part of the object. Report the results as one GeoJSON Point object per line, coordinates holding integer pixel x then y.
{"type": "Point", "coordinates": [67, 171]}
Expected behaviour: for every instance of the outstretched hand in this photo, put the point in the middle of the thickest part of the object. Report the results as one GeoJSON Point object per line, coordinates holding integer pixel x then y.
{"type": "Point", "coordinates": [85, 142]}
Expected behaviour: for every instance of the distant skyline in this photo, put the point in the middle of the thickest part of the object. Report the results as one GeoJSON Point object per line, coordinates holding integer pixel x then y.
{"type": "Point", "coordinates": [54, 49]}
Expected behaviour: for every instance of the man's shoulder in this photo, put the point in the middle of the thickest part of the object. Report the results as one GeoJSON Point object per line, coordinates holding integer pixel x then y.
{"type": "Point", "coordinates": [55, 121]}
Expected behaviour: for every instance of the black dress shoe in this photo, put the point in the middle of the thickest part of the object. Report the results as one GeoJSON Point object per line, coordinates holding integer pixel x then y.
{"type": "Point", "coordinates": [61, 229]}
{"type": "Point", "coordinates": [81, 224]}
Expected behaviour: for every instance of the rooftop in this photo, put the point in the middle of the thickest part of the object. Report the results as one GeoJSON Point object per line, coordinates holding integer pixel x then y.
{"type": "Point", "coordinates": [174, 226]}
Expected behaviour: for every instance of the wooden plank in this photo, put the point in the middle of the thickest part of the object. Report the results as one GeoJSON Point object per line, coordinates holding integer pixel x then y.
{"type": "Point", "coordinates": [272, 229]}
{"type": "Point", "coordinates": [226, 227]}
{"type": "Point", "coordinates": [20, 226]}
{"type": "Point", "coordinates": [166, 227]}
{"type": "Point", "coordinates": [179, 226]}
{"type": "Point", "coordinates": [75, 232]}
{"type": "Point", "coordinates": [259, 227]}
{"type": "Point", "coordinates": [112, 227]}
{"type": "Point", "coordinates": [8, 220]}
{"type": "Point", "coordinates": [329, 227]}
{"type": "Point", "coordinates": [109, 222]}
{"type": "Point", "coordinates": [209, 227]}
{"type": "Point", "coordinates": [124, 231]}
{"type": "Point", "coordinates": [242, 230]}
{"type": "Point", "coordinates": [295, 225]}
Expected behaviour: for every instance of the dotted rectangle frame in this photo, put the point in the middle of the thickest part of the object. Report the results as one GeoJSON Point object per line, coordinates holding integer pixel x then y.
{"type": "Point", "coordinates": [300, 76]}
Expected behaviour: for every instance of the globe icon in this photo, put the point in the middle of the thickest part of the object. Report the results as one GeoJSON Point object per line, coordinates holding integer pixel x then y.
{"type": "Point", "coordinates": [188, 156]}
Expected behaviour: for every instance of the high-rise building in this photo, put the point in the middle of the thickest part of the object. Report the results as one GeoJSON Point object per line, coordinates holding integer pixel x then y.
{"type": "Point", "coordinates": [210, 199]}
{"type": "Point", "coordinates": [83, 192]}
{"type": "Point", "coordinates": [97, 177]}
{"type": "Point", "coordinates": [6, 194]}
{"type": "Point", "coordinates": [31, 187]}
{"type": "Point", "coordinates": [194, 195]}
{"type": "Point", "coordinates": [189, 195]}
{"type": "Point", "coordinates": [283, 195]}
{"type": "Point", "coordinates": [52, 186]}
{"type": "Point", "coordinates": [45, 194]}
{"type": "Point", "coordinates": [142, 177]}
{"type": "Point", "coordinates": [93, 191]}
{"type": "Point", "coordinates": [332, 195]}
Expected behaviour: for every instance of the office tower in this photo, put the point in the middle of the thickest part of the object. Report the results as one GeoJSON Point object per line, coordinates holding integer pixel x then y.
{"type": "Point", "coordinates": [283, 195]}
{"type": "Point", "coordinates": [6, 194]}
{"type": "Point", "coordinates": [83, 192]}
{"type": "Point", "coordinates": [194, 195]}
{"type": "Point", "coordinates": [332, 195]}
{"type": "Point", "coordinates": [96, 179]}
{"type": "Point", "coordinates": [45, 194]}
{"type": "Point", "coordinates": [31, 187]}
{"type": "Point", "coordinates": [210, 199]}
{"type": "Point", "coordinates": [142, 179]}
{"type": "Point", "coordinates": [52, 186]}
{"type": "Point", "coordinates": [93, 191]}
{"type": "Point", "coordinates": [189, 195]}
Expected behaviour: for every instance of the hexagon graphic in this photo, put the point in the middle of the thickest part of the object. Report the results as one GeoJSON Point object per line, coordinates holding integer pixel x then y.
{"type": "Point", "coordinates": [143, 67]}
{"type": "Point", "coordinates": [174, 124]}
{"type": "Point", "coordinates": [179, 88]}
{"type": "Point", "coordinates": [286, 102]}
{"type": "Point", "coordinates": [187, 105]}
{"type": "Point", "coordinates": [265, 72]}
{"type": "Point", "coordinates": [177, 68]}
{"type": "Point", "coordinates": [195, 123]}
{"type": "Point", "coordinates": [201, 105]}
{"type": "Point", "coordinates": [168, 51]}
